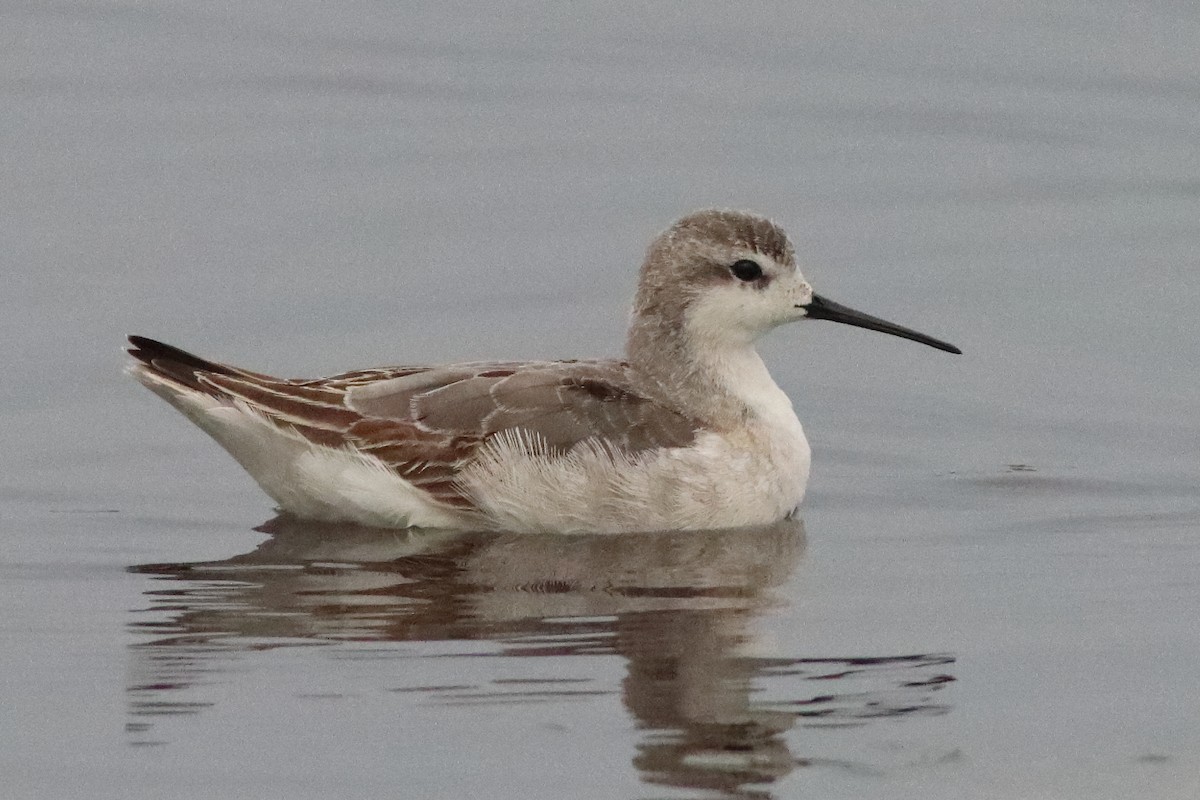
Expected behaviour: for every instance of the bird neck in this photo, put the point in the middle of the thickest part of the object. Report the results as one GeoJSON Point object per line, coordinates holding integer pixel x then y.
{"type": "Point", "coordinates": [720, 381]}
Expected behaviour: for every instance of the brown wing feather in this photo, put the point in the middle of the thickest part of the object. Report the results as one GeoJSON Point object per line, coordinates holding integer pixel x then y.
{"type": "Point", "coordinates": [287, 402]}
{"type": "Point", "coordinates": [430, 461]}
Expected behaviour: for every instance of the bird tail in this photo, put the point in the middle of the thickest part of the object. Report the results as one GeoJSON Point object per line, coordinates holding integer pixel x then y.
{"type": "Point", "coordinates": [176, 366]}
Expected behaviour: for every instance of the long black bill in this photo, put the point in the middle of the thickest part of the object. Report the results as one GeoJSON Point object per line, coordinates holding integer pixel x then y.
{"type": "Point", "coordinates": [820, 308]}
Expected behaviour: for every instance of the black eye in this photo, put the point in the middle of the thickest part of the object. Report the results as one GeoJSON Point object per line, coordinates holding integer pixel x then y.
{"type": "Point", "coordinates": [746, 270]}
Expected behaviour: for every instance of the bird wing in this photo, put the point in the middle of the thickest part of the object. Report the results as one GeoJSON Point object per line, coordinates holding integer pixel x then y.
{"type": "Point", "coordinates": [561, 403]}
{"type": "Point", "coordinates": [429, 423]}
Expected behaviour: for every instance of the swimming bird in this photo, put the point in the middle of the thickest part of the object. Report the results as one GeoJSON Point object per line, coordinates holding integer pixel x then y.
{"type": "Point", "coordinates": [687, 431]}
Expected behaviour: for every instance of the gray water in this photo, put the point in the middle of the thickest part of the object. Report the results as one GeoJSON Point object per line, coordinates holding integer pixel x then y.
{"type": "Point", "coordinates": [995, 587]}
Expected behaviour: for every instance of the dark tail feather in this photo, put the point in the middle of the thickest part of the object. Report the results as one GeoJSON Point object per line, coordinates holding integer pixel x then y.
{"type": "Point", "coordinates": [178, 365]}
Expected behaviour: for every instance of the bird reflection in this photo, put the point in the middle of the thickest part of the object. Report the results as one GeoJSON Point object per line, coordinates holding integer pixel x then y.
{"type": "Point", "coordinates": [679, 607]}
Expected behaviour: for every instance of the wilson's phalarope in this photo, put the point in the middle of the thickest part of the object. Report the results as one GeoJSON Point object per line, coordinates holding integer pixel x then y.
{"type": "Point", "coordinates": [688, 432]}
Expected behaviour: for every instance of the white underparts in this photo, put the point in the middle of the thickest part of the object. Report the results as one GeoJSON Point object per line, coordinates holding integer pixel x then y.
{"type": "Point", "coordinates": [715, 483]}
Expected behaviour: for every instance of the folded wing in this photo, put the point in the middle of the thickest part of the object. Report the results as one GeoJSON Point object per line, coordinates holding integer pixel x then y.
{"type": "Point", "coordinates": [429, 423]}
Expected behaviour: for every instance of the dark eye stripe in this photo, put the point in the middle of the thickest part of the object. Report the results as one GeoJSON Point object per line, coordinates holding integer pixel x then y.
{"type": "Point", "coordinates": [746, 270]}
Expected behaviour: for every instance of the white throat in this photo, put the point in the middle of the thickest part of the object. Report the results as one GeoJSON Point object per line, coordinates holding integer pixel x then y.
{"type": "Point", "coordinates": [740, 371]}
{"type": "Point", "coordinates": [721, 341]}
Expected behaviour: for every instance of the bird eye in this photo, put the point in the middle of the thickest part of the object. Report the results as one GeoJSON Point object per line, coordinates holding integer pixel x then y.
{"type": "Point", "coordinates": [746, 270]}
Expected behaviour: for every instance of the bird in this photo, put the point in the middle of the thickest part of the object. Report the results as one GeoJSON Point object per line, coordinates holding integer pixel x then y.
{"type": "Point", "coordinates": [687, 431]}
